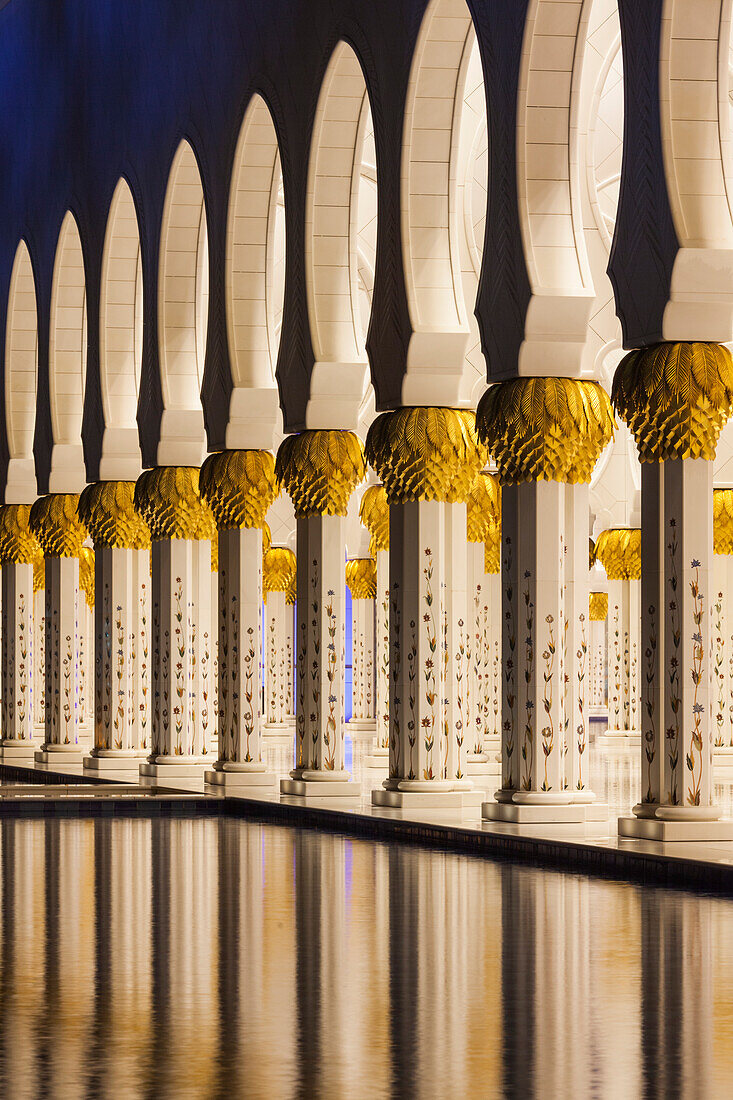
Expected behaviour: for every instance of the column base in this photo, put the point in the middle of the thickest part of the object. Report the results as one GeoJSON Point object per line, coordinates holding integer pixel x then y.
{"type": "Point", "coordinates": [57, 754]}
{"type": "Point", "coordinates": [278, 729]}
{"type": "Point", "coordinates": [110, 760]}
{"type": "Point", "coordinates": [621, 738]}
{"type": "Point", "coordinates": [170, 767]}
{"type": "Point", "coordinates": [428, 800]}
{"type": "Point", "coordinates": [239, 780]}
{"type": "Point", "coordinates": [305, 783]}
{"type": "Point", "coordinates": [11, 749]}
{"type": "Point", "coordinates": [362, 727]}
{"type": "Point", "coordinates": [542, 808]}
{"type": "Point", "coordinates": [723, 754]}
{"type": "Point", "coordinates": [377, 758]}
{"type": "Point", "coordinates": [674, 831]}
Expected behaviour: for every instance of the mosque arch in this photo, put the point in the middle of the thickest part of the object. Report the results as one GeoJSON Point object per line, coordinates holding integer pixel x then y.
{"type": "Point", "coordinates": [21, 379]}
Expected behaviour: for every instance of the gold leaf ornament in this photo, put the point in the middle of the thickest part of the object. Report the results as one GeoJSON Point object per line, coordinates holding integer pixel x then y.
{"type": "Point", "coordinates": [597, 606]}
{"type": "Point", "coordinates": [17, 541]}
{"type": "Point", "coordinates": [239, 487]}
{"type": "Point", "coordinates": [319, 469]}
{"type": "Point", "coordinates": [54, 520]}
{"type": "Point", "coordinates": [545, 429]}
{"type": "Point", "coordinates": [278, 569]}
{"type": "Point", "coordinates": [426, 453]}
{"type": "Point", "coordinates": [374, 514]}
{"type": "Point", "coordinates": [723, 521]}
{"type": "Point", "coordinates": [107, 509]}
{"type": "Point", "coordinates": [675, 398]}
{"type": "Point", "coordinates": [39, 572]}
{"type": "Point", "coordinates": [86, 574]}
{"type": "Point", "coordinates": [483, 508]}
{"type": "Point", "coordinates": [619, 552]}
{"type": "Point", "coordinates": [169, 500]}
{"type": "Point", "coordinates": [361, 577]}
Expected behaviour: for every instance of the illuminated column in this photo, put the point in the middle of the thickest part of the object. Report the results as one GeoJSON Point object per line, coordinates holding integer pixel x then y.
{"type": "Point", "coordinates": [374, 514]}
{"type": "Point", "coordinates": [39, 647]}
{"type": "Point", "coordinates": [55, 523]}
{"type": "Point", "coordinates": [619, 551]}
{"type": "Point", "coordinates": [361, 577]}
{"type": "Point", "coordinates": [545, 435]}
{"type": "Point", "coordinates": [240, 486]}
{"type": "Point", "coordinates": [722, 623]}
{"type": "Point", "coordinates": [214, 641]}
{"type": "Point", "coordinates": [181, 527]}
{"type": "Point", "coordinates": [483, 517]}
{"type": "Point", "coordinates": [427, 459]}
{"type": "Point", "coordinates": [86, 642]}
{"type": "Point", "coordinates": [597, 614]}
{"type": "Point", "coordinates": [491, 644]}
{"type": "Point", "coordinates": [121, 602]}
{"type": "Point", "coordinates": [279, 574]}
{"type": "Point", "coordinates": [675, 398]}
{"type": "Point", "coordinates": [320, 469]}
{"type": "Point", "coordinates": [19, 550]}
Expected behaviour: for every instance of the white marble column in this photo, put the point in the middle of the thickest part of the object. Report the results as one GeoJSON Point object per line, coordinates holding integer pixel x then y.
{"type": "Point", "coordinates": [361, 577]}
{"type": "Point", "coordinates": [598, 613]}
{"type": "Point", "coordinates": [279, 573]}
{"type": "Point", "coordinates": [56, 525]}
{"type": "Point", "coordinates": [121, 625]}
{"type": "Point", "coordinates": [491, 646]}
{"type": "Point", "coordinates": [239, 486]}
{"type": "Point", "coordinates": [39, 648]}
{"type": "Point", "coordinates": [483, 527]}
{"type": "Point", "coordinates": [320, 469]}
{"type": "Point", "coordinates": [18, 551]}
{"type": "Point", "coordinates": [86, 643]}
{"type": "Point", "coordinates": [181, 526]}
{"type": "Point", "coordinates": [619, 550]}
{"type": "Point", "coordinates": [374, 514]}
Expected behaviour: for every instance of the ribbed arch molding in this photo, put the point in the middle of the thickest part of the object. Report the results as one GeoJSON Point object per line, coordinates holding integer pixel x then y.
{"type": "Point", "coordinates": [21, 379]}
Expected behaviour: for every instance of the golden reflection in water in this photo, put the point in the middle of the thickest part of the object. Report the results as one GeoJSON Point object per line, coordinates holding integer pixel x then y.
{"type": "Point", "coordinates": [185, 958]}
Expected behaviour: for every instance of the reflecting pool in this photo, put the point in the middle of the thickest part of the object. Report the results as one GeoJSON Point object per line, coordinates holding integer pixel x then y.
{"type": "Point", "coordinates": [219, 958]}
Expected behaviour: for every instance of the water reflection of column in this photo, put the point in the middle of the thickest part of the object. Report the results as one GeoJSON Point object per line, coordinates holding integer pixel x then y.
{"type": "Point", "coordinates": [677, 995]}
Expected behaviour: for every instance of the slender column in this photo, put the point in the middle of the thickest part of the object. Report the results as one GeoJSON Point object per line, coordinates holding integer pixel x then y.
{"type": "Point", "coordinates": [543, 453]}
{"type": "Point", "coordinates": [374, 514]}
{"type": "Point", "coordinates": [279, 573]}
{"type": "Point", "coordinates": [619, 550]}
{"type": "Point", "coordinates": [483, 527]}
{"type": "Point", "coordinates": [239, 486]}
{"type": "Point", "coordinates": [86, 642]}
{"type": "Point", "coordinates": [55, 523]}
{"type": "Point", "coordinates": [19, 550]}
{"type": "Point", "coordinates": [491, 646]}
{"type": "Point", "coordinates": [722, 624]}
{"type": "Point", "coordinates": [181, 526]}
{"type": "Point", "coordinates": [320, 469]}
{"type": "Point", "coordinates": [676, 397]}
{"type": "Point", "coordinates": [597, 614]}
{"type": "Point", "coordinates": [39, 647]}
{"type": "Point", "coordinates": [361, 577]}
{"type": "Point", "coordinates": [428, 460]}
{"type": "Point", "coordinates": [121, 597]}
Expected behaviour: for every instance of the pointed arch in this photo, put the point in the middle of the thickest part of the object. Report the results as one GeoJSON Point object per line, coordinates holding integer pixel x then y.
{"type": "Point", "coordinates": [21, 379]}
{"type": "Point", "coordinates": [67, 360]}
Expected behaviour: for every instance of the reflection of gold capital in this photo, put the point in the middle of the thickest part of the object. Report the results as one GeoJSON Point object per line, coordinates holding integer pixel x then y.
{"type": "Point", "coordinates": [675, 398]}
{"type": "Point", "coordinates": [54, 520]}
{"type": "Point", "coordinates": [17, 541]}
{"type": "Point", "coordinates": [597, 606]}
{"type": "Point", "coordinates": [723, 521]}
{"type": "Point", "coordinates": [86, 574]}
{"type": "Point", "coordinates": [545, 429]}
{"type": "Point", "coordinates": [168, 499]}
{"type": "Point", "coordinates": [374, 514]}
{"type": "Point", "coordinates": [361, 577]}
{"type": "Point", "coordinates": [619, 552]}
{"type": "Point", "coordinates": [426, 453]}
{"type": "Point", "coordinates": [319, 469]}
{"type": "Point", "coordinates": [483, 511]}
{"type": "Point", "coordinates": [107, 509]}
{"type": "Point", "coordinates": [239, 486]}
{"type": "Point", "coordinates": [278, 569]}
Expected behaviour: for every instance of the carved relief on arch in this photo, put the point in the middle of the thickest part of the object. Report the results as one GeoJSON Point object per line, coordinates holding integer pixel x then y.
{"type": "Point", "coordinates": [183, 303]}
{"type": "Point", "coordinates": [67, 361]}
{"type": "Point", "coordinates": [21, 380]}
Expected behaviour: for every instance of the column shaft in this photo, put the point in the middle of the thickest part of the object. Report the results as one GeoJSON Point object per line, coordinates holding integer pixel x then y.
{"type": "Point", "coordinates": [18, 696]}
{"type": "Point", "coordinates": [62, 666]}
{"type": "Point", "coordinates": [279, 661]}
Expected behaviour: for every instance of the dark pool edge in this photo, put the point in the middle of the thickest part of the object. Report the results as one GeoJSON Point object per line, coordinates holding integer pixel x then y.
{"type": "Point", "coordinates": [569, 856]}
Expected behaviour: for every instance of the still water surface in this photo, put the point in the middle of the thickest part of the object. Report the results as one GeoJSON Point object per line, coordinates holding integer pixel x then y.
{"type": "Point", "coordinates": [215, 958]}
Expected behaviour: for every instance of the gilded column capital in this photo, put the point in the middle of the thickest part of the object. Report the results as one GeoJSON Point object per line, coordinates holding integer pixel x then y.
{"type": "Point", "coordinates": [239, 487]}
{"type": "Point", "coordinates": [86, 574]}
{"type": "Point", "coordinates": [319, 469]}
{"type": "Point", "coordinates": [17, 541]}
{"type": "Point", "coordinates": [483, 509]}
{"type": "Point", "coordinates": [292, 593]}
{"type": "Point", "coordinates": [675, 398]}
{"type": "Point", "coordinates": [39, 572]}
{"type": "Point", "coordinates": [169, 500]}
{"type": "Point", "coordinates": [107, 509]}
{"type": "Point", "coordinates": [374, 514]}
{"type": "Point", "coordinates": [619, 552]}
{"type": "Point", "coordinates": [54, 520]}
{"type": "Point", "coordinates": [278, 569]}
{"type": "Point", "coordinates": [426, 453]}
{"type": "Point", "coordinates": [591, 553]}
{"type": "Point", "coordinates": [545, 429]}
{"type": "Point", "coordinates": [723, 521]}
{"type": "Point", "coordinates": [361, 577]}
{"type": "Point", "coordinates": [597, 606]}
{"type": "Point", "coordinates": [492, 551]}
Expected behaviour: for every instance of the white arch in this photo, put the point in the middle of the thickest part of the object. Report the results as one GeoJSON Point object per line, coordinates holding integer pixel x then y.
{"type": "Point", "coordinates": [430, 205]}
{"type": "Point", "coordinates": [339, 379]}
{"type": "Point", "coordinates": [255, 281]}
{"type": "Point", "coordinates": [694, 83]}
{"type": "Point", "coordinates": [21, 379]}
{"type": "Point", "coordinates": [120, 338]}
{"type": "Point", "coordinates": [183, 288]}
{"type": "Point", "coordinates": [67, 360]}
